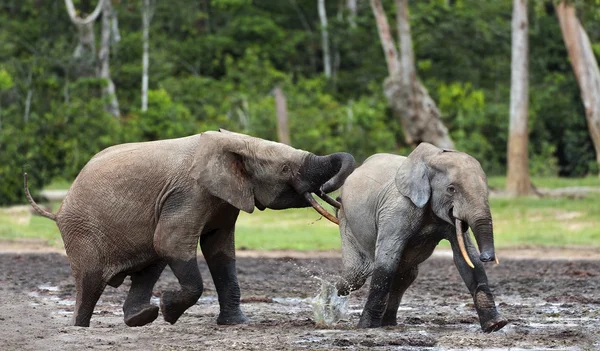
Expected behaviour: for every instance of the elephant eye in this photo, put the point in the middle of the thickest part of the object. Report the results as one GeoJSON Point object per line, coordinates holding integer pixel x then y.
{"type": "Point", "coordinates": [285, 169]}
{"type": "Point", "coordinates": [451, 189]}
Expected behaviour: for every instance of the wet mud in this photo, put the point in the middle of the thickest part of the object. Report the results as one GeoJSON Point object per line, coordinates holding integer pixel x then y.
{"type": "Point", "coordinates": [550, 305]}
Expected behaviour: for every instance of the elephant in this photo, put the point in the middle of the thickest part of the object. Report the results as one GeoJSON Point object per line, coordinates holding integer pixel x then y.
{"type": "Point", "coordinates": [135, 208]}
{"type": "Point", "coordinates": [396, 209]}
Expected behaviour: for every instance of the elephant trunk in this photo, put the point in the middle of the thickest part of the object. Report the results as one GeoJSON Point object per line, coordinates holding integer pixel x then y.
{"type": "Point", "coordinates": [322, 174]}
{"type": "Point", "coordinates": [344, 163]}
{"type": "Point", "coordinates": [484, 235]}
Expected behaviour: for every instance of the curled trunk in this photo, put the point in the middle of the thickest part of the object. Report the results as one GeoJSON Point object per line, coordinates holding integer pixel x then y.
{"type": "Point", "coordinates": [344, 163]}
{"type": "Point", "coordinates": [322, 174]}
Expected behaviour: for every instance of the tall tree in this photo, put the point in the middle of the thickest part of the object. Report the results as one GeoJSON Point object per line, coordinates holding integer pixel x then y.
{"type": "Point", "coordinates": [147, 14]}
{"type": "Point", "coordinates": [518, 182]}
{"type": "Point", "coordinates": [283, 132]}
{"type": "Point", "coordinates": [109, 91]}
{"type": "Point", "coordinates": [325, 38]}
{"type": "Point", "coordinates": [585, 67]}
{"type": "Point", "coordinates": [408, 97]}
{"type": "Point", "coordinates": [86, 48]}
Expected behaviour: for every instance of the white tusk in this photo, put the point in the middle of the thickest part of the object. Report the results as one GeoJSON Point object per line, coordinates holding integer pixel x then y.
{"type": "Point", "coordinates": [461, 243]}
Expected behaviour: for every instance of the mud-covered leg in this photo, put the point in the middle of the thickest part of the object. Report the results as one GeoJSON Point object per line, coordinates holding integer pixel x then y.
{"type": "Point", "coordinates": [477, 283]}
{"type": "Point", "coordinates": [219, 251]}
{"type": "Point", "coordinates": [137, 308]}
{"type": "Point", "coordinates": [389, 252]}
{"type": "Point", "coordinates": [401, 282]}
{"type": "Point", "coordinates": [357, 264]}
{"type": "Point", "coordinates": [89, 286]}
{"type": "Point", "coordinates": [176, 243]}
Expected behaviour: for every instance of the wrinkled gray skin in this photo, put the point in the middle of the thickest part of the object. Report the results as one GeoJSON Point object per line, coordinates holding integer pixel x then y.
{"type": "Point", "coordinates": [395, 210]}
{"type": "Point", "coordinates": [136, 208]}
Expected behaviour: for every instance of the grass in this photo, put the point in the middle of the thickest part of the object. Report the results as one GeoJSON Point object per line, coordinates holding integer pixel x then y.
{"type": "Point", "coordinates": [517, 222]}
{"type": "Point", "coordinates": [497, 182]}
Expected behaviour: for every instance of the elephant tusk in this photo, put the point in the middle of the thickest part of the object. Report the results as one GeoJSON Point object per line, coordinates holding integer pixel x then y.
{"type": "Point", "coordinates": [461, 243]}
{"type": "Point", "coordinates": [496, 261]}
{"type": "Point", "coordinates": [329, 200]}
{"type": "Point", "coordinates": [323, 212]}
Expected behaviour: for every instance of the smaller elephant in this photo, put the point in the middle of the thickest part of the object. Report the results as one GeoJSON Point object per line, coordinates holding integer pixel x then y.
{"type": "Point", "coordinates": [395, 210]}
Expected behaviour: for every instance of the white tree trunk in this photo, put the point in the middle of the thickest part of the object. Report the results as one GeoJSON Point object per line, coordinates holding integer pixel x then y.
{"type": "Point", "coordinates": [86, 48]}
{"type": "Point", "coordinates": [585, 67]}
{"type": "Point", "coordinates": [283, 132]}
{"type": "Point", "coordinates": [109, 92]}
{"type": "Point", "coordinates": [518, 182]}
{"type": "Point", "coordinates": [408, 97]}
{"type": "Point", "coordinates": [325, 39]}
{"type": "Point", "coordinates": [147, 13]}
{"type": "Point", "coordinates": [407, 56]}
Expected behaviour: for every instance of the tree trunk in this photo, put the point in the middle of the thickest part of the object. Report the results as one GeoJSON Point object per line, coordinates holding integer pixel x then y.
{"type": "Point", "coordinates": [283, 132]}
{"type": "Point", "coordinates": [85, 51]}
{"type": "Point", "coordinates": [408, 97]}
{"type": "Point", "coordinates": [385, 35]}
{"type": "Point", "coordinates": [517, 181]}
{"type": "Point", "coordinates": [325, 39]}
{"type": "Point", "coordinates": [109, 93]}
{"type": "Point", "coordinates": [585, 67]}
{"type": "Point", "coordinates": [147, 13]}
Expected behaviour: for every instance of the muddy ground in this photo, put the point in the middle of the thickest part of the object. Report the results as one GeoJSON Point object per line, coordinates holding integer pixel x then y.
{"type": "Point", "coordinates": [550, 305]}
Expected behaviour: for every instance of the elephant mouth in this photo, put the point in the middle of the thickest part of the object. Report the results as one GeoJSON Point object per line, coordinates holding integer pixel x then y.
{"type": "Point", "coordinates": [259, 205]}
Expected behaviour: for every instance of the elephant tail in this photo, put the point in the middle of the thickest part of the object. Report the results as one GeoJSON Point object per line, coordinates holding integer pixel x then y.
{"type": "Point", "coordinates": [35, 206]}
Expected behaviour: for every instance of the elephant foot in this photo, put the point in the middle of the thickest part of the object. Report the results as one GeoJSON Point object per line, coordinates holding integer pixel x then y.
{"type": "Point", "coordinates": [232, 318]}
{"type": "Point", "coordinates": [144, 315]}
{"type": "Point", "coordinates": [489, 318]}
{"type": "Point", "coordinates": [389, 321]}
{"type": "Point", "coordinates": [366, 321]}
{"type": "Point", "coordinates": [494, 324]}
{"type": "Point", "coordinates": [172, 306]}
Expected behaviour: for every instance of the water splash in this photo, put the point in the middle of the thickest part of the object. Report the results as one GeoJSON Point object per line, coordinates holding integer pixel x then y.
{"type": "Point", "coordinates": [328, 307]}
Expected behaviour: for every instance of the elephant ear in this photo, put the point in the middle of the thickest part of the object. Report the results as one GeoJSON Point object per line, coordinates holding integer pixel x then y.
{"type": "Point", "coordinates": [223, 174]}
{"type": "Point", "coordinates": [412, 179]}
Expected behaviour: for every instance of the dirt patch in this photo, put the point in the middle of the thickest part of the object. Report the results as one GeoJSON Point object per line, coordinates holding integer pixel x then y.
{"type": "Point", "coordinates": [551, 304]}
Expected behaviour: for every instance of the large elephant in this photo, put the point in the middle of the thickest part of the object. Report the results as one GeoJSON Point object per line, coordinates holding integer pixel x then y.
{"type": "Point", "coordinates": [395, 210]}
{"type": "Point", "coordinates": [135, 208]}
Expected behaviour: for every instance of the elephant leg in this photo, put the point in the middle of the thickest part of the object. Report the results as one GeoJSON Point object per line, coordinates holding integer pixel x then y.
{"type": "Point", "coordinates": [357, 264]}
{"type": "Point", "coordinates": [401, 282]}
{"type": "Point", "coordinates": [89, 287]}
{"type": "Point", "coordinates": [137, 308]}
{"type": "Point", "coordinates": [477, 283]}
{"type": "Point", "coordinates": [387, 259]}
{"type": "Point", "coordinates": [174, 302]}
{"type": "Point", "coordinates": [219, 251]}
{"type": "Point", "coordinates": [176, 243]}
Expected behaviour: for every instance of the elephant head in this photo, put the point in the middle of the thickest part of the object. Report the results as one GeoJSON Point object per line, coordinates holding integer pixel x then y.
{"type": "Point", "coordinates": [249, 172]}
{"type": "Point", "coordinates": [455, 186]}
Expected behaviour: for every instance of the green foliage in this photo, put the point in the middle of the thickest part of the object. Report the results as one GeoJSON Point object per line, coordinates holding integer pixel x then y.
{"type": "Point", "coordinates": [215, 64]}
{"type": "Point", "coordinates": [164, 119]}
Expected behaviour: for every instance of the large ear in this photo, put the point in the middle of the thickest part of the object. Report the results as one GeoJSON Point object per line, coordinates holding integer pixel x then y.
{"type": "Point", "coordinates": [412, 179]}
{"type": "Point", "coordinates": [223, 174]}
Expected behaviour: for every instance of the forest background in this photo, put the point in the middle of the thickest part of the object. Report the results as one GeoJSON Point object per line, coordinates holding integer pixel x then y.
{"type": "Point", "coordinates": [216, 63]}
